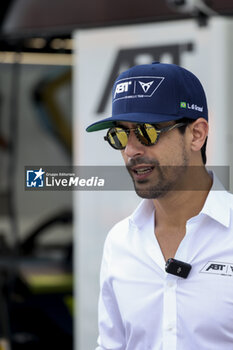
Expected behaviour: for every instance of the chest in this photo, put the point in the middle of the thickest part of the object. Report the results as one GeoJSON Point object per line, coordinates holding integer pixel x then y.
{"type": "Point", "coordinates": [153, 303]}
{"type": "Point", "coordinates": [169, 240]}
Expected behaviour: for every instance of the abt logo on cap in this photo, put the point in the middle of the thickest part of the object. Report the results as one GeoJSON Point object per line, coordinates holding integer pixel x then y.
{"type": "Point", "coordinates": [136, 87]}
{"type": "Point", "coordinates": [122, 87]}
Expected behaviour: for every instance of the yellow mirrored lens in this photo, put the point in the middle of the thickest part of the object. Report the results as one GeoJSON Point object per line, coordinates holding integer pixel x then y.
{"type": "Point", "coordinates": [147, 134]}
{"type": "Point", "coordinates": [122, 136]}
{"type": "Point", "coordinates": [152, 133]}
{"type": "Point", "coordinates": [111, 139]}
{"type": "Point", "coordinates": [118, 137]}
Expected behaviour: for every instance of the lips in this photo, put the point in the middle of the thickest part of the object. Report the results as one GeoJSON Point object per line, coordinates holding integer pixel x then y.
{"type": "Point", "coordinates": [142, 171]}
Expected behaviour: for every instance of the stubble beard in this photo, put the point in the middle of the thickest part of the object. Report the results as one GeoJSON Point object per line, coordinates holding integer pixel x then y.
{"type": "Point", "coordinates": [167, 178]}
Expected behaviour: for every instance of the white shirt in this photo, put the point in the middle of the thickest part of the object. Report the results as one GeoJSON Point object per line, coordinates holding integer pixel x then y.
{"type": "Point", "coordinates": [142, 307]}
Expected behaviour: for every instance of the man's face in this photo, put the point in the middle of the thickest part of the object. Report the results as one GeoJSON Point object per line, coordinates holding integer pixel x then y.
{"type": "Point", "coordinates": [156, 169]}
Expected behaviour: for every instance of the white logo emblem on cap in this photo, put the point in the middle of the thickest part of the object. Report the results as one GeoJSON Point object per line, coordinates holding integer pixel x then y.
{"type": "Point", "coordinates": [145, 86]}
{"type": "Point", "coordinates": [136, 87]}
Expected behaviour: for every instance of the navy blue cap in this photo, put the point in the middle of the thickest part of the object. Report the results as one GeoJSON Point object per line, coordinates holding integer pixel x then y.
{"type": "Point", "coordinates": [155, 93]}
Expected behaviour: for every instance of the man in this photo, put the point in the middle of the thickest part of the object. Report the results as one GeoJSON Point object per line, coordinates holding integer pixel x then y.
{"type": "Point", "coordinates": [160, 123]}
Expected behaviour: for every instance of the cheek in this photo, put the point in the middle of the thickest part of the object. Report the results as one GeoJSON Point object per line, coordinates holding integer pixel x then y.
{"type": "Point", "coordinates": [173, 151]}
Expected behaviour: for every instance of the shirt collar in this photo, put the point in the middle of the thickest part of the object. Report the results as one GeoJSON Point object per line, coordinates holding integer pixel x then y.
{"type": "Point", "coordinates": [217, 206]}
{"type": "Point", "coordinates": [142, 213]}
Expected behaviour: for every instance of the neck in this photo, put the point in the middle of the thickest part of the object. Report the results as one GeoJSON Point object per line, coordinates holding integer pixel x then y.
{"type": "Point", "coordinates": [176, 207]}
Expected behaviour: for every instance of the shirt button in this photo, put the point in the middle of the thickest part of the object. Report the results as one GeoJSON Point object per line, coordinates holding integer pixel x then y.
{"type": "Point", "coordinates": [170, 328]}
{"type": "Point", "coordinates": [170, 284]}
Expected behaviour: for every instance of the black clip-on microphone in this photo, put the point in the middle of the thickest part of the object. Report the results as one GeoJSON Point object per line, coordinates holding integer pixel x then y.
{"type": "Point", "coordinates": [177, 268]}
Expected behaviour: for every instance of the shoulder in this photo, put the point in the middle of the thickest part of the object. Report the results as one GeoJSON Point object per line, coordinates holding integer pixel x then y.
{"type": "Point", "coordinates": [119, 231]}
{"type": "Point", "coordinates": [115, 243]}
{"type": "Point", "coordinates": [120, 238]}
{"type": "Point", "coordinates": [126, 229]}
{"type": "Point", "coordinates": [126, 232]}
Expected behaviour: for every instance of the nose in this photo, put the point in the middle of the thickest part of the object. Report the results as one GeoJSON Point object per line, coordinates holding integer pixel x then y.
{"type": "Point", "coordinates": [134, 148]}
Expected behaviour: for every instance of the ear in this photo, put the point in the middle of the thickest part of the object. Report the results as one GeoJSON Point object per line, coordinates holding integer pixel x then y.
{"type": "Point", "coordinates": [199, 130]}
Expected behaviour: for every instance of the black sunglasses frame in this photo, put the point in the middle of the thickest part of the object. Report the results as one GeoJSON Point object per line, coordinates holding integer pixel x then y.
{"type": "Point", "coordinates": [127, 130]}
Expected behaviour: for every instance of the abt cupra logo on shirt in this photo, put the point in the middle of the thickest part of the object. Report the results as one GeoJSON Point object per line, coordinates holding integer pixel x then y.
{"type": "Point", "coordinates": [218, 268]}
{"type": "Point", "coordinates": [136, 87]}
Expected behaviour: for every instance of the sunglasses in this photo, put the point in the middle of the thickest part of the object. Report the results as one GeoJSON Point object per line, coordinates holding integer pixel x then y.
{"type": "Point", "coordinates": [147, 134]}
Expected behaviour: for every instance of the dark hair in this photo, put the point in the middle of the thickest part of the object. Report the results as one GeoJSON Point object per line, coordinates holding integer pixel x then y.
{"type": "Point", "coordinates": [182, 131]}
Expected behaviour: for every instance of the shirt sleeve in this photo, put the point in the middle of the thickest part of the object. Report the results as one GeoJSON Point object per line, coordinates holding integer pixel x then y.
{"type": "Point", "coordinates": [111, 328]}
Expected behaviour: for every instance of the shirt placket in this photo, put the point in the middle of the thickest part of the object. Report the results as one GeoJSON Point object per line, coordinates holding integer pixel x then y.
{"type": "Point", "coordinates": [169, 314]}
